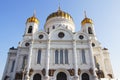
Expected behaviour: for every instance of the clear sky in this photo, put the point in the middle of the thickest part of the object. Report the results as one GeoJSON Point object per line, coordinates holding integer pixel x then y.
{"type": "Point", "coordinates": [104, 13]}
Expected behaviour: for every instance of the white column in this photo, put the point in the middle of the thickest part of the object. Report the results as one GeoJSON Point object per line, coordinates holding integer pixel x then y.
{"type": "Point", "coordinates": [75, 60]}
{"type": "Point", "coordinates": [29, 61]}
{"type": "Point", "coordinates": [92, 60]}
{"type": "Point", "coordinates": [15, 66]}
{"type": "Point", "coordinates": [103, 65]}
{"type": "Point", "coordinates": [47, 60]}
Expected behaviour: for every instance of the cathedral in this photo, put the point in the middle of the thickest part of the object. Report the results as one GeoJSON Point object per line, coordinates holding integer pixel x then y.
{"type": "Point", "coordinates": [58, 52]}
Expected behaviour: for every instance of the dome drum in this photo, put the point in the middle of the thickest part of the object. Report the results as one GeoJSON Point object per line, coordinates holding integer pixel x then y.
{"type": "Point", "coordinates": [59, 19]}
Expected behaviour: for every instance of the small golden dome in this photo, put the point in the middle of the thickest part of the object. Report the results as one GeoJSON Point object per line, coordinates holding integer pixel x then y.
{"type": "Point", "coordinates": [33, 19]}
{"type": "Point", "coordinates": [59, 13]}
{"type": "Point", "coordinates": [86, 20]}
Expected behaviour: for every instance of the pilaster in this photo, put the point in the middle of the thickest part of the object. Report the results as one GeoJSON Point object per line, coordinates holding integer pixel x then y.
{"type": "Point", "coordinates": [75, 61]}
{"type": "Point", "coordinates": [29, 60]}
{"type": "Point", "coordinates": [16, 60]}
{"type": "Point", "coordinates": [92, 61]}
{"type": "Point", "coordinates": [47, 60]}
{"type": "Point", "coordinates": [103, 65]}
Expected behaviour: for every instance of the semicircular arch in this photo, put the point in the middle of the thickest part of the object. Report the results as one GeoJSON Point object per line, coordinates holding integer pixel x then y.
{"type": "Point", "coordinates": [68, 35]}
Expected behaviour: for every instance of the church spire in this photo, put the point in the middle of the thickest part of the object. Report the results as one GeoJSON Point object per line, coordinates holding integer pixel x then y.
{"type": "Point", "coordinates": [85, 14]}
{"type": "Point", "coordinates": [34, 13]}
{"type": "Point", "coordinates": [86, 19]}
{"type": "Point", "coordinates": [33, 18]}
{"type": "Point", "coordinates": [59, 6]}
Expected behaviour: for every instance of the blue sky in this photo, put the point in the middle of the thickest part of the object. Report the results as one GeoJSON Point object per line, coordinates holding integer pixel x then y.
{"type": "Point", "coordinates": [104, 13]}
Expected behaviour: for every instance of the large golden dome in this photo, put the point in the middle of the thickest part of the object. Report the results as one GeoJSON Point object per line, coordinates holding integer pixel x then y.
{"type": "Point", "coordinates": [33, 19]}
{"type": "Point", "coordinates": [59, 13]}
{"type": "Point", "coordinates": [86, 20]}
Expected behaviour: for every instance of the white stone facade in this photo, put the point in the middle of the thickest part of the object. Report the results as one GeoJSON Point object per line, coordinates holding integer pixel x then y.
{"type": "Point", "coordinates": [58, 54]}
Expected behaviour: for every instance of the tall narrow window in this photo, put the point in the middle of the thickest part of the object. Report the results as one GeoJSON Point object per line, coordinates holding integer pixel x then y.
{"type": "Point", "coordinates": [90, 30]}
{"type": "Point", "coordinates": [48, 30]}
{"type": "Point", "coordinates": [61, 56]}
{"type": "Point", "coordinates": [56, 57]}
{"type": "Point", "coordinates": [24, 62]}
{"type": "Point", "coordinates": [13, 63]}
{"type": "Point", "coordinates": [30, 29]}
{"type": "Point", "coordinates": [95, 61]}
{"type": "Point", "coordinates": [39, 57]}
{"type": "Point", "coordinates": [66, 56]}
{"type": "Point", "coordinates": [53, 27]}
{"type": "Point", "coordinates": [83, 56]}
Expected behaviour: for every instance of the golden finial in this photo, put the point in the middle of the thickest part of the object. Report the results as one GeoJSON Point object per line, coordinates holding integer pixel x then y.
{"type": "Point", "coordinates": [85, 14]}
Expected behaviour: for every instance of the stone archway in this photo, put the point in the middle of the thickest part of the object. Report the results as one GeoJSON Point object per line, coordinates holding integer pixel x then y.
{"type": "Point", "coordinates": [85, 76]}
{"type": "Point", "coordinates": [37, 77]}
{"type": "Point", "coordinates": [61, 76]}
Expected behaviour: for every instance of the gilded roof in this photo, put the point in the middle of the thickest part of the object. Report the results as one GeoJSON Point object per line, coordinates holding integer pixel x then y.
{"type": "Point", "coordinates": [86, 20]}
{"type": "Point", "coordinates": [59, 13]}
{"type": "Point", "coordinates": [33, 19]}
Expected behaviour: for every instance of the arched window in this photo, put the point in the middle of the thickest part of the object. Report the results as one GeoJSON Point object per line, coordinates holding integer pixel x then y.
{"type": "Point", "coordinates": [61, 56]}
{"type": "Point", "coordinates": [61, 76]}
{"type": "Point", "coordinates": [90, 30]}
{"type": "Point", "coordinates": [13, 63]}
{"type": "Point", "coordinates": [56, 57]}
{"type": "Point", "coordinates": [83, 56]}
{"type": "Point", "coordinates": [39, 57]}
{"type": "Point", "coordinates": [37, 77]}
{"type": "Point", "coordinates": [66, 56]}
{"type": "Point", "coordinates": [30, 29]}
{"type": "Point", "coordinates": [85, 76]}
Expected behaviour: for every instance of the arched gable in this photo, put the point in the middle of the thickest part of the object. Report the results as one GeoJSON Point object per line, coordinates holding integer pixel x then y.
{"type": "Point", "coordinates": [25, 43]}
{"type": "Point", "coordinates": [81, 36]}
{"type": "Point", "coordinates": [55, 34]}
{"type": "Point", "coordinates": [40, 35]}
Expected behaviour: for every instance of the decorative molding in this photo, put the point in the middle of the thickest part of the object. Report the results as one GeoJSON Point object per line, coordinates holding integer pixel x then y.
{"type": "Point", "coordinates": [100, 74]}
{"type": "Point", "coordinates": [91, 71]}
{"type": "Point", "coordinates": [44, 71]}
{"type": "Point", "coordinates": [51, 72]}
{"type": "Point", "coordinates": [110, 75]}
{"type": "Point", "coordinates": [31, 72]}
{"type": "Point", "coordinates": [79, 71]}
{"type": "Point", "coordinates": [18, 75]}
{"type": "Point", "coordinates": [71, 71]}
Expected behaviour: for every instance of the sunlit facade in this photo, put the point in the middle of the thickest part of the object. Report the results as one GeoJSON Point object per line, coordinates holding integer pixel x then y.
{"type": "Point", "coordinates": [58, 52]}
